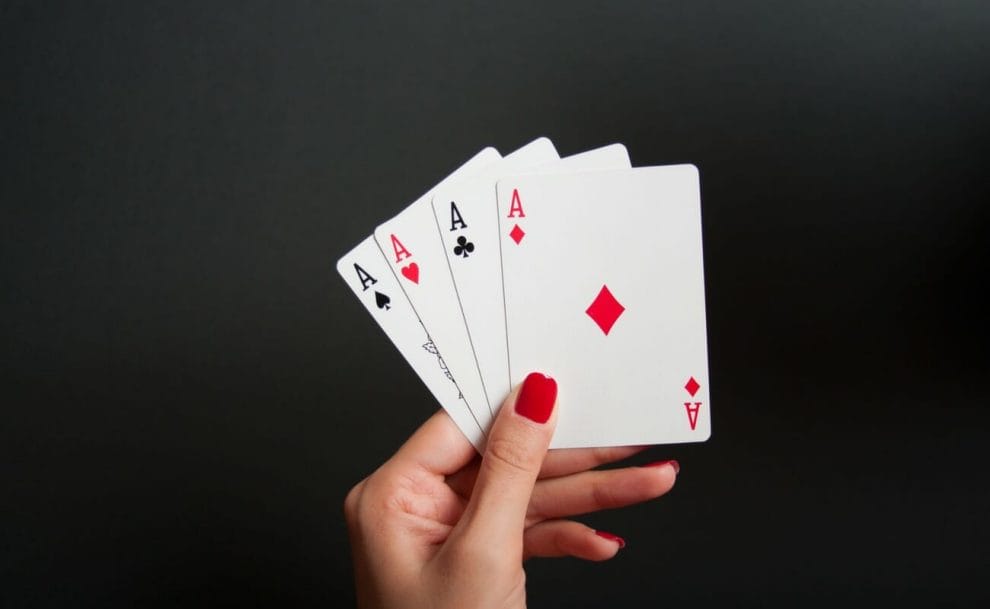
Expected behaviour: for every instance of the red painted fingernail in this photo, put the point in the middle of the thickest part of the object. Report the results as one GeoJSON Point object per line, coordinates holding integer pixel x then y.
{"type": "Point", "coordinates": [536, 398]}
{"type": "Point", "coordinates": [670, 462]}
{"type": "Point", "coordinates": [611, 537]}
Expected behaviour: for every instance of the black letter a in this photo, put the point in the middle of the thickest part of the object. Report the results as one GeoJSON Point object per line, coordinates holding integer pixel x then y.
{"type": "Point", "coordinates": [364, 277]}
{"type": "Point", "coordinates": [455, 217]}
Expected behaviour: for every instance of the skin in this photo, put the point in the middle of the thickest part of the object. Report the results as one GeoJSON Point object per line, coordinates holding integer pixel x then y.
{"type": "Point", "coordinates": [436, 526]}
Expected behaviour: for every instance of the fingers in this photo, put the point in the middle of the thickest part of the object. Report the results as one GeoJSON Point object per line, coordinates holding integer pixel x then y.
{"type": "Point", "coordinates": [568, 538]}
{"type": "Point", "coordinates": [517, 444]}
{"type": "Point", "coordinates": [560, 462]}
{"type": "Point", "coordinates": [437, 447]}
{"type": "Point", "coordinates": [571, 460]}
{"type": "Point", "coordinates": [600, 490]}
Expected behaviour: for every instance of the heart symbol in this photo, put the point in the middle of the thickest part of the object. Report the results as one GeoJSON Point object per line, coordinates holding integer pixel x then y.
{"type": "Point", "coordinates": [411, 272]}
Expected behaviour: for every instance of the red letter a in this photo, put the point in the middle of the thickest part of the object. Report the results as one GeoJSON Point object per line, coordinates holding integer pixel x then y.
{"type": "Point", "coordinates": [400, 250]}
{"type": "Point", "coordinates": [516, 206]}
{"type": "Point", "coordinates": [692, 413]}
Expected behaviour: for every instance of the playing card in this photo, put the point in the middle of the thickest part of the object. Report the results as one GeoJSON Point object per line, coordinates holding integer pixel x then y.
{"type": "Point", "coordinates": [404, 328]}
{"type": "Point", "coordinates": [466, 217]}
{"type": "Point", "coordinates": [604, 290]}
{"type": "Point", "coordinates": [364, 269]}
{"type": "Point", "coordinates": [468, 228]}
{"type": "Point", "coordinates": [412, 247]}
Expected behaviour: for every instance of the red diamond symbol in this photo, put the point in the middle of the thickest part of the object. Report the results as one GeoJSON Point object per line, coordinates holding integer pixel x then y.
{"type": "Point", "coordinates": [692, 386]}
{"type": "Point", "coordinates": [517, 234]}
{"type": "Point", "coordinates": [605, 310]}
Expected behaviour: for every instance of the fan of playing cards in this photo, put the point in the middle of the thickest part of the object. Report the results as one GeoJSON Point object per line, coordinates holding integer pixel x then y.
{"type": "Point", "coordinates": [581, 267]}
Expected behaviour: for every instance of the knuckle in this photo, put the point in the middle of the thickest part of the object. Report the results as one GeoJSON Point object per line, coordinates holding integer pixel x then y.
{"type": "Point", "coordinates": [602, 495]}
{"type": "Point", "coordinates": [602, 454]}
{"type": "Point", "coordinates": [352, 502]}
{"type": "Point", "coordinates": [509, 456]}
{"type": "Point", "coordinates": [559, 542]}
{"type": "Point", "coordinates": [608, 454]}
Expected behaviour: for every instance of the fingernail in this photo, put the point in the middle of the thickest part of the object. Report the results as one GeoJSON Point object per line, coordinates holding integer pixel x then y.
{"type": "Point", "coordinates": [611, 537]}
{"type": "Point", "coordinates": [536, 398]}
{"type": "Point", "coordinates": [670, 462]}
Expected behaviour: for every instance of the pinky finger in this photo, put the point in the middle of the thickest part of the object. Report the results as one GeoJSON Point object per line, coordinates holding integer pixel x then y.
{"type": "Point", "coordinates": [552, 538]}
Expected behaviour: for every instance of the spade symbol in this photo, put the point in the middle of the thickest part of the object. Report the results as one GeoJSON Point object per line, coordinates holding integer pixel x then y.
{"type": "Point", "coordinates": [382, 301]}
{"type": "Point", "coordinates": [463, 247]}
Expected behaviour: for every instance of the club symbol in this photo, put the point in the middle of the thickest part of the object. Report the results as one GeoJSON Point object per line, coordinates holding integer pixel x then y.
{"type": "Point", "coordinates": [463, 247]}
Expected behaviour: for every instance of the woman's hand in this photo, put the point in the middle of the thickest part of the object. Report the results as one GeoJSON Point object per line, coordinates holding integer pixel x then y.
{"type": "Point", "coordinates": [436, 527]}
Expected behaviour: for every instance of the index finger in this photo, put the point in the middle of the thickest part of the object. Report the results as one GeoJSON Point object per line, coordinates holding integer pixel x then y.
{"type": "Point", "coordinates": [564, 461]}
{"type": "Point", "coordinates": [558, 462]}
{"type": "Point", "coordinates": [438, 447]}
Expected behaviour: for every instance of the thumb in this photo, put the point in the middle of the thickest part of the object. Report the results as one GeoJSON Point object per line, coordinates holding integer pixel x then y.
{"type": "Point", "coordinates": [517, 444]}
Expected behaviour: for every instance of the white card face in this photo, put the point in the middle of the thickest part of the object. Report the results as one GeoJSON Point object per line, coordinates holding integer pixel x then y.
{"type": "Point", "coordinates": [478, 276]}
{"type": "Point", "coordinates": [604, 290]}
{"type": "Point", "coordinates": [412, 247]}
{"type": "Point", "coordinates": [613, 156]}
{"type": "Point", "coordinates": [365, 270]}
{"type": "Point", "coordinates": [465, 217]}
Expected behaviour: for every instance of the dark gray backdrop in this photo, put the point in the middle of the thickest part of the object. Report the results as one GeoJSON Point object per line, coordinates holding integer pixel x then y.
{"type": "Point", "coordinates": [189, 390]}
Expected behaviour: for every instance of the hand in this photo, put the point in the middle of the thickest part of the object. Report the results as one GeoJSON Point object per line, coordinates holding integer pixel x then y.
{"type": "Point", "coordinates": [436, 527]}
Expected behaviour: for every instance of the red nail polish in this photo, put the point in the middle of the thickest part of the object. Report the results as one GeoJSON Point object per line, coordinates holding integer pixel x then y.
{"type": "Point", "coordinates": [671, 462]}
{"type": "Point", "coordinates": [536, 398]}
{"type": "Point", "coordinates": [611, 537]}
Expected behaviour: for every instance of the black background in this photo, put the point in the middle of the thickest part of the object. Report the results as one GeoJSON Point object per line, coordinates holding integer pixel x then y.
{"type": "Point", "coordinates": [189, 389]}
